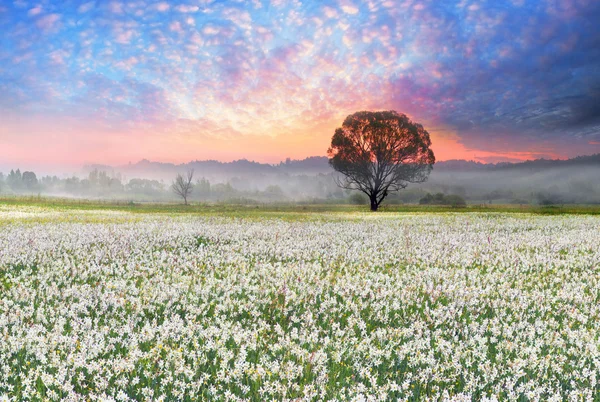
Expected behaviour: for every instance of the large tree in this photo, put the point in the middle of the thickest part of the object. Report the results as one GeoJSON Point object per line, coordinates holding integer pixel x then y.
{"type": "Point", "coordinates": [379, 152]}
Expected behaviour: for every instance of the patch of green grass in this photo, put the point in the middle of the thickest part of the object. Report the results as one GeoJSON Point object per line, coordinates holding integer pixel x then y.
{"type": "Point", "coordinates": [286, 211]}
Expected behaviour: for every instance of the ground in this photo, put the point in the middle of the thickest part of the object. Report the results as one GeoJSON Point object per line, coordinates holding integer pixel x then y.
{"type": "Point", "coordinates": [142, 302]}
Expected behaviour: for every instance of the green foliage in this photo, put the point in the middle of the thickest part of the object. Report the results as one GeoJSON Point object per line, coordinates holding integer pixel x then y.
{"type": "Point", "coordinates": [72, 210]}
{"type": "Point", "coordinates": [380, 152]}
{"type": "Point", "coordinates": [358, 199]}
{"type": "Point", "coordinates": [452, 200]}
{"type": "Point", "coordinates": [202, 187]}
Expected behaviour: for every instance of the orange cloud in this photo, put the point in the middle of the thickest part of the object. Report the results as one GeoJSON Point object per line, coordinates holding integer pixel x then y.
{"type": "Point", "coordinates": [446, 145]}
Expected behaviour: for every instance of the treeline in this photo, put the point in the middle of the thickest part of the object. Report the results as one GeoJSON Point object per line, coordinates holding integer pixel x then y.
{"type": "Point", "coordinates": [553, 186]}
{"type": "Point", "coordinates": [99, 184]}
{"type": "Point", "coordinates": [96, 184]}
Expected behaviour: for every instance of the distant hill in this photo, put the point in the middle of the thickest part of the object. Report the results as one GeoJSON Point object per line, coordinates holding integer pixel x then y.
{"type": "Point", "coordinates": [533, 165]}
{"type": "Point", "coordinates": [540, 181]}
{"type": "Point", "coordinates": [319, 165]}
{"type": "Point", "coordinates": [216, 170]}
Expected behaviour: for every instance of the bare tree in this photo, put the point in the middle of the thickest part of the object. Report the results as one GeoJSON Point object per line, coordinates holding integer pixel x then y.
{"type": "Point", "coordinates": [182, 186]}
{"type": "Point", "coordinates": [379, 152]}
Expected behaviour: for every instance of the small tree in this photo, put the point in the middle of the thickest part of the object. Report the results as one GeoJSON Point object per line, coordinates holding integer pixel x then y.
{"type": "Point", "coordinates": [14, 180]}
{"type": "Point", "coordinates": [203, 187]}
{"type": "Point", "coordinates": [379, 152]}
{"type": "Point", "coordinates": [182, 186]}
{"type": "Point", "coordinates": [30, 180]}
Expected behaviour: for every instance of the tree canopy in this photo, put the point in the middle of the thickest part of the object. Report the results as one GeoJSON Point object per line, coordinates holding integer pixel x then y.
{"type": "Point", "coordinates": [379, 152]}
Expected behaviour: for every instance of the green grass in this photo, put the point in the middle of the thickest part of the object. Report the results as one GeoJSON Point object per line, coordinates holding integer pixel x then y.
{"type": "Point", "coordinates": [281, 210]}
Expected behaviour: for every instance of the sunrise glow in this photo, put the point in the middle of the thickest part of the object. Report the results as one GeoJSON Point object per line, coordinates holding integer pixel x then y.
{"type": "Point", "coordinates": [113, 82]}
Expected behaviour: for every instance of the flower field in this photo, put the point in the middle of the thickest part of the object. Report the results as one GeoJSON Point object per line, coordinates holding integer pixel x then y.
{"type": "Point", "coordinates": [343, 307]}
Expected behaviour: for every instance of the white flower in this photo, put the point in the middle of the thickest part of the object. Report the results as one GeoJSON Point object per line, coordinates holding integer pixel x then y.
{"type": "Point", "coordinates": [372, 307]}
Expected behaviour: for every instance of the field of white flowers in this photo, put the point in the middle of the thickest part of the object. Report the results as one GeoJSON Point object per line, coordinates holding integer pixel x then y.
{"type": "Point", "coordinates": [361, 307]}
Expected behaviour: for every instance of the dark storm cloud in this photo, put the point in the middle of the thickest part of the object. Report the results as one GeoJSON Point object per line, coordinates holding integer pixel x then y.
{"type": "Point", "coordinates": [532, 73]}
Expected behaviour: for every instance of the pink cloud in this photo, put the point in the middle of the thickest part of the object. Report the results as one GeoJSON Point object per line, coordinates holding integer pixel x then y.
{"type": "Point", "coordinates": [22, 57]}
{"type": "Point", "coordinates": [210, 30]}
{"type": "Point", "coordinates": [329, 12]}
{"type": "Point", "coordinates": [124, 36]}
{"type": "Point", "coordinates": [85, 7]}
{"type": "Point", "coordinates": [58, 57]}
{"type": "Point", "coordinates": [48, 22]}
{"type": "Point", "coordinates": [115, 7]}
{"type": "Point", "coordinates": [239, 18]}
{"type": "Point", "coordinates": [184, 8]}
{"type": "Point", "coordinates": [349, 8]}
{"type": "Point", "coordinates": [163, 6]}
{"type": "Point", "coordinates": [35, 11]}
{"type": "Point", "coordinates": [175, 26]}
{"type": "Point", "coordinates": [128, 63]}
{"type": "Point", "coordinates": [305, 79]}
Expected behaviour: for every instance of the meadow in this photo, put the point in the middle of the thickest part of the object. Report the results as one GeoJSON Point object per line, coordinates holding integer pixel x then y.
{"type": "Point", "coordinates": [226, 303]}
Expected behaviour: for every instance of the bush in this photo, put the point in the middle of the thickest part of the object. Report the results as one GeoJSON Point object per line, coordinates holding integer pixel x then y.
{"type": "Point", "coordinates": [549, 199]}
{"type": "Point", "coordinates": [358, 199]}
{"type": "Point", "coordinates": [455, 200]}
{"type": "Point", "coordinates": [442, 199]}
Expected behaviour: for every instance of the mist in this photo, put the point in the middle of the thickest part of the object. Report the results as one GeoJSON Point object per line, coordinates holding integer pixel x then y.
{"type": "Point", "coordinates": [311, 180]}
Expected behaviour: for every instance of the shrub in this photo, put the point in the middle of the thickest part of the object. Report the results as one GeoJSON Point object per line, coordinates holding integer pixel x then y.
{"type": "Point", "coordinates": [455, 200]}
{"type": "Point", "coordinates": [358, 199]}
{"type": "Point", "coordinates": [442, 199]}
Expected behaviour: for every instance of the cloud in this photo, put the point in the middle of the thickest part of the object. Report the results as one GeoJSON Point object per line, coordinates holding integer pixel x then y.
{"type": "Point", "coordinates": [20, 4]}
{"type": "Point", "coordinates": [329, 12]}
{"type": "Point", "coordinates": [184, 8]}
{"type": "Point", "coordinates": [35, 11]}
{"type": "Point", "coordinates": [348, 7]}
{"type": "Point", "coordinates": [175, 26]}
{"type": "Point", "coordinates": [210, 30]}
{"type": "Point", "coordinates": [115, 7]}
{"type": "Point", "coordinates": [162, 6]}
{"type": "Point", "coordinates": [127, 64]}
{"type": "Point", "coordinates": [120, 103]}
{"type": "Point", "coordinates": [124, 36]}
{"type": "Point", "coordinates": [503, 77]}
{"type": "Point", "coordinates": [85, 7]}
{"type": "Point", "coordinates": [59, 57]}
{"type": "Point", "coordinates": [48, 22]}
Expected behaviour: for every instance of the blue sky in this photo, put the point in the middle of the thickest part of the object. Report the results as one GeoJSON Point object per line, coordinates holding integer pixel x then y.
{"type": "Point", "coordinates": [113, 81]}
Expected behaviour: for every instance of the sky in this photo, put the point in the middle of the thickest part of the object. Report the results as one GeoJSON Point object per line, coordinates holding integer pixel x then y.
{"type": "Point", "coordinates": [117, 81]}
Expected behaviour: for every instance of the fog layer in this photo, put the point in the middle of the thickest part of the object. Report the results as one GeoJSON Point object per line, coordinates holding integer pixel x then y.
{"type": "Point", "coordinates": [574, 181]}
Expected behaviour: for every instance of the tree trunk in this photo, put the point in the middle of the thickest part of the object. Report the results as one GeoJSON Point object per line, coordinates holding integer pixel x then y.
{"type": "Point", "coordinates": [374, 204]}
{"type": "Point", "coordinates": [184, 200]}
